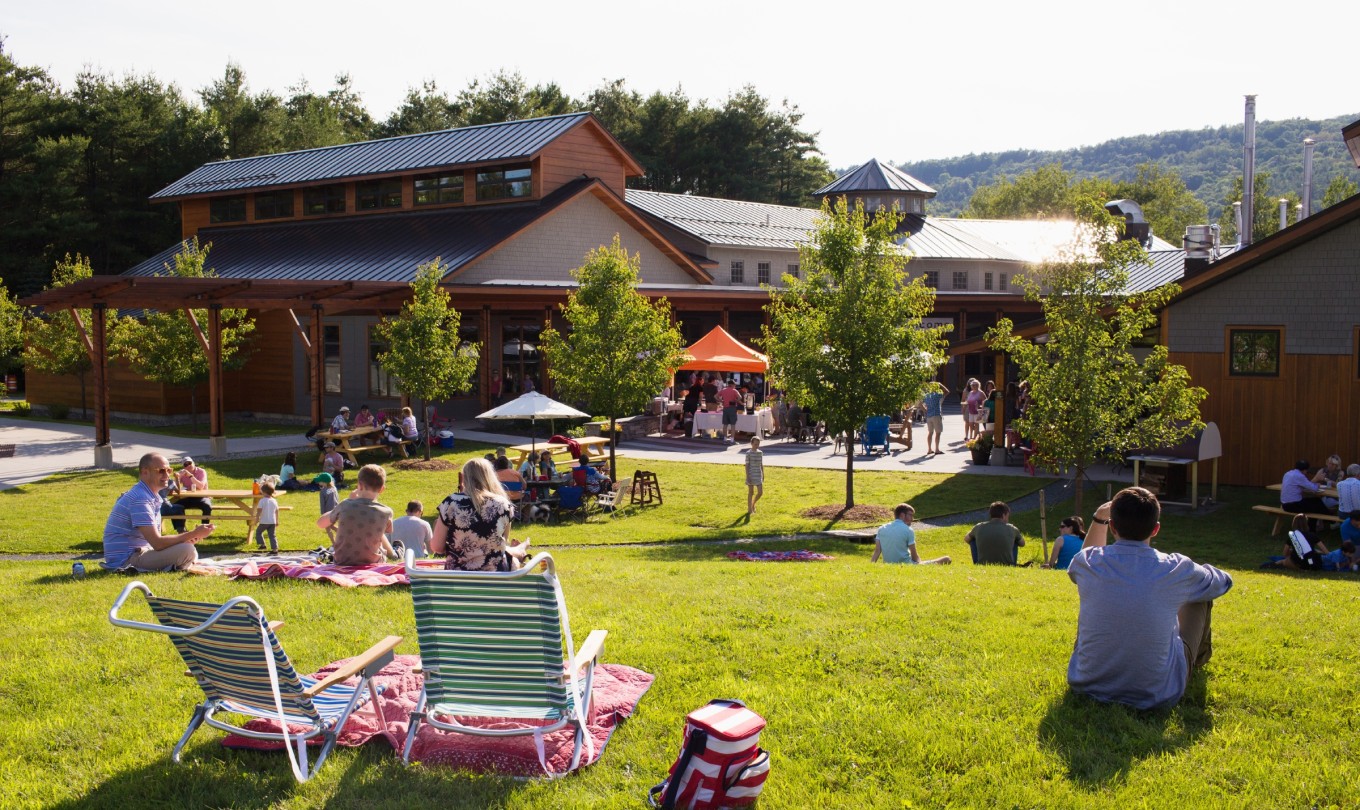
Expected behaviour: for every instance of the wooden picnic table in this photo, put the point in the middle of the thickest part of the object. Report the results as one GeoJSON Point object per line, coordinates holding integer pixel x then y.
{"type": "Point", "coordinates": [1323, 492]}
{"type": "Point", "coordinates": [344, 441]}
{"type": "Point", "coordinates": [242, 505]}
{"type": "Point", "coordinates": [591, 446]}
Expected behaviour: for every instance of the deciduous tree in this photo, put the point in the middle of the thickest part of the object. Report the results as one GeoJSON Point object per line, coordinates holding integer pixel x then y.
{"type": "Point", "coordinates": [1091, 398]}
{"type": "Point", "coordinates": [1339, 189]}
{"type": "Point", "coordinates": [11, 329]}
{"type": "Point", "coordinates": [423, 349]}
{"type": "Point", "coordinates": [163, 347]}
{"type": "Point", "coordinates": [52, 342]}
{"type": "Point", "coordinates": [1266, 213]}
{"type": "Point", "coordinates": [846, 338]}
{"type": "Point", "coordinates": [622, 347]}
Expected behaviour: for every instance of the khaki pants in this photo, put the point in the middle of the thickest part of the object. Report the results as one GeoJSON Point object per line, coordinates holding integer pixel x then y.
{"type": "Point", "coordinates": [175, 557]}
{"type": "Point", "coordinates": [1196, 634]}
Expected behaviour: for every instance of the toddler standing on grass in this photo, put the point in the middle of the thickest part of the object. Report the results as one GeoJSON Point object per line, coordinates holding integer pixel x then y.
{"type": "Point", "coordinates": [330, 498]}
{"type": "Point", "coordinates": [755, 475]}
{"type": "Point", "coordinates": [267, 519]}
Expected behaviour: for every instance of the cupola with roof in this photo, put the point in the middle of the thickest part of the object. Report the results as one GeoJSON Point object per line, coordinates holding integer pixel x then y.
{"type": "Point", "coordinates": [879, 186]}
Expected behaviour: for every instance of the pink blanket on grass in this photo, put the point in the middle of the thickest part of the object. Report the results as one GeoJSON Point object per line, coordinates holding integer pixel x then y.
{"type": "Point", "coordinates": [802, 555]}
{"type": "Point", "coordinates": [348, 576]}
{"type": "Point", "coordinates": [616, 692]}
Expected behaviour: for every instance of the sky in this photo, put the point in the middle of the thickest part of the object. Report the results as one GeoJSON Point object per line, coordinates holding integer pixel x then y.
{"type": "Point", "coordinates": [899, 82]}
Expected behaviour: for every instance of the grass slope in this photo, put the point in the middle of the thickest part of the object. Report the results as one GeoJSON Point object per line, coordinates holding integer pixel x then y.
{"type": "Point", "coordinates": [884, 686]}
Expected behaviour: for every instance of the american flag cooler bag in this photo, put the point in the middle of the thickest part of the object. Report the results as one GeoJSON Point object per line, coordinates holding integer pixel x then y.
{"type": "Point", "coordinates": [721, 763]}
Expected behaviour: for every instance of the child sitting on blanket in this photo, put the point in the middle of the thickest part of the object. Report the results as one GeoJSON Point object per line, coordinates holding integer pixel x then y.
{"type": "Point", "coordinates": [361, 523]}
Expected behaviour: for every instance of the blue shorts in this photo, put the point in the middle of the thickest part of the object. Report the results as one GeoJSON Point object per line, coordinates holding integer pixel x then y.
{"type": "Point", "coordinates": [730, 415]}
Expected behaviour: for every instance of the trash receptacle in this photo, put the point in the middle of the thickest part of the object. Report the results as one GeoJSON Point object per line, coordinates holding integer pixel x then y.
{"type": "Point", "coordinates": [446, 439]}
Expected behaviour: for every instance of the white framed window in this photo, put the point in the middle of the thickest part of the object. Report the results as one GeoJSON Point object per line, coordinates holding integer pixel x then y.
{"type": "Point", "coordinates": [986, 281]}
{"type": "Point", "coordinates": [960, 280]}
{"type": "Point", "coordinates": [738, 272]}
{"type": "Point", "coordinates": [762, 272]}
{"type": "Point", "coordinates": [793, 270]}
{"type": "Point", "coordinates": [1003, 283]}
{"type": "Point", "coordinates": [933, 279]}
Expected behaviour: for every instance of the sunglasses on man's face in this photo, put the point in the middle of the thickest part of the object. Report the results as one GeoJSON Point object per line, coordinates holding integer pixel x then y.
{"type": "Point", "coordinates": [164, 470]}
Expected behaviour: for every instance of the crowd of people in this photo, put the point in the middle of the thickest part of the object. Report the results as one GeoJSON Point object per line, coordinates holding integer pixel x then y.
{"type": "Point", "coordinates": [1305, 493]}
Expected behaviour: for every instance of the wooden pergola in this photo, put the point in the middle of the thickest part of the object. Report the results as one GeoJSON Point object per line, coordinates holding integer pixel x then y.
{"type": "Point", "coordinates": [314, 300]}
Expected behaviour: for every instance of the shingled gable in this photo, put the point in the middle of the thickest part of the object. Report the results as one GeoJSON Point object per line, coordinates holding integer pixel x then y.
{"type": "Point", "coordinates": [465, 146]}
{"type": "Point", "coordinates": [615, 204]}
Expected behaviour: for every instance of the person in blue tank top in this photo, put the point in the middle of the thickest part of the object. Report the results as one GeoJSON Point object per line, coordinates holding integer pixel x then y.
{"type": "Point", "coordinates": [1071, 535]}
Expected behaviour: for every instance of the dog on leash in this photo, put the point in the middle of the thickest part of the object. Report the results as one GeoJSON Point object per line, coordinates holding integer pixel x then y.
{"type": "Point", "coordinates": [536, 513]}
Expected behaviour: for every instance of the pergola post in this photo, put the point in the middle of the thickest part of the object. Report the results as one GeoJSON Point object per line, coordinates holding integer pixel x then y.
{"type": "Point", "coordinates": [99, 359]}
{"type": "Point", "coordinates": [484, 333]}
{"type": "Point", "coordinates": [318, 370]}
{"type": "Point", "coordinates": [217, 433]}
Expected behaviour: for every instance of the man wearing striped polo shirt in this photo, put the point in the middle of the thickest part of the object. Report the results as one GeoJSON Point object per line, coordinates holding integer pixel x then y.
{"type": "Point", "coordinates": [132, 536]}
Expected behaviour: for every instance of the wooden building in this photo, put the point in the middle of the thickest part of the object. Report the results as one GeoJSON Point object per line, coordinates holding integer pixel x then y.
{"type": "Point", "coordinates": [510, 209]}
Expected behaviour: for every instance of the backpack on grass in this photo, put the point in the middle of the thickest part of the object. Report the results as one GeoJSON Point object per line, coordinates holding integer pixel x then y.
{"type": "Point", "coordinates": [720, 764]}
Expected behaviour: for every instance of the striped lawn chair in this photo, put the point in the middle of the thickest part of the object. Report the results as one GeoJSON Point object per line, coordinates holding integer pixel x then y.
{"type": "Point", "coordinates": [234, 655]}
{"type": "Point", "coordinates": [497, 647]}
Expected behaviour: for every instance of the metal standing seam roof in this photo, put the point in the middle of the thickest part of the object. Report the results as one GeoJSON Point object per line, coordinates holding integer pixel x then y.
{"type": "Point", "coordinates": [376, 247]}
{"type": "Point", "coordinates": [874, 176]}
{"type": "Point", "coordinates": [510, 140]}
{"type": "Point", "coordinates": [729, 222]}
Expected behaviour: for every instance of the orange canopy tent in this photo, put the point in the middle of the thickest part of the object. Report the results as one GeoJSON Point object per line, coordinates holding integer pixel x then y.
{"type": "Point", "coordinates": [719, 351]}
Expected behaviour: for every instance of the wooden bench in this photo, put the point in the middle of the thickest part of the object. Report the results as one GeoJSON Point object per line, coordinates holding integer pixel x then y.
{"type": "Point", "coordinates": [1281, 514]}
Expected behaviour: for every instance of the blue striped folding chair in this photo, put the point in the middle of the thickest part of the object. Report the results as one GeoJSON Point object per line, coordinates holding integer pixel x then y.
{"type": "Point", "coordinates": [497, 647]}
{"type": "Point", "coordinates": [232, 652]}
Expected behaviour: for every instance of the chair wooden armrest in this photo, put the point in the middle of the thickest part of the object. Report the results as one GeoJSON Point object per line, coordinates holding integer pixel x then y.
{"type": "Point", "coordinates": [588, 651]}
{"type": "Point", "coordinates": [380, 654]}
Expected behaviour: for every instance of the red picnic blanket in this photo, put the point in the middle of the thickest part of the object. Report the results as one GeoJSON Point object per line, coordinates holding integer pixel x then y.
{"type": "Point", "coordinates": [617, 690]}
{"type": "Point", "coordinates": [801, 555]}
{"type": "Point", "coordinates": [347, 576]}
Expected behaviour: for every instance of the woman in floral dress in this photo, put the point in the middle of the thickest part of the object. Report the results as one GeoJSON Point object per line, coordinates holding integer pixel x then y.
{"type": "Point", "coordinates": [473, 531]}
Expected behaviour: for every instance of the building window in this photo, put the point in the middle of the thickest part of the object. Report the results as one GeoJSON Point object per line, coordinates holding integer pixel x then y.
{"type": "Point", "coordinates": [227, 209]}
{"type": "Point", "coordinates": [274, 204]}
{"type": "Point", "coordinates": [380, 382]}
{"type": "Point", "coordinates": [435, 189]}
{"type": "Point", "coordinates": [502, 184]}
{"type": "Point", "coordinates": [738, 272]}
{"type": "Point", "coordinates": [933, 279]}
{"type": "Point", "coordinates": [1254, 352]}
{"type": "Point", "coordinates": [960, 279]}
{"type": "Point", "coordinates": [986, 281]}
{"type": "Point", "coordinates": [1002, 283]}
{"type": "Point", "coordinates": [324, 200]}
{"type": "Point", "coordinates": [330, 357]}
{"type": "Point", "coordinates": [762, 272]}
{"type": "Point", "coordinates": [793, 270]}
{"type": "Point", "coordinates": [370, 195]}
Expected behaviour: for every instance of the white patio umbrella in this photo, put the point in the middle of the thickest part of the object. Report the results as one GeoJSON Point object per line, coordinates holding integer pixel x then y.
{"type": "Point", "coordinates": [533, 406]}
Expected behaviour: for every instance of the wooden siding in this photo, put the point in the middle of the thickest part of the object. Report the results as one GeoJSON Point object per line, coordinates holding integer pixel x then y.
{"type": "Point", "coordinates": [583, 150]}
{"type": "Point", "coordinates": [193, 215]}
{"type": "Point", "coordinates": [1267, 424]}
{"type": "Point", "coordinates": [264, 385]}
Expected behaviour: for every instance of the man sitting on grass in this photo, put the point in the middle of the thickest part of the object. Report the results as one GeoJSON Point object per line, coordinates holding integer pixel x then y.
{"type": "Point", "coordinates": [1143, 626]}
{"type": "Point", "coordinates": [996, 540]}
{"type": "Point", "coordinates": [132, 535]}
{"type": "Point", "coordinates": [361, 523]}
{"type": "Point", "coordinates": [896, 541]}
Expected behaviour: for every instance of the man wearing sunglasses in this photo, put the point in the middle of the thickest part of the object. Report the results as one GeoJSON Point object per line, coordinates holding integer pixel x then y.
{"type": "Point", "coordinates": [132, 535]}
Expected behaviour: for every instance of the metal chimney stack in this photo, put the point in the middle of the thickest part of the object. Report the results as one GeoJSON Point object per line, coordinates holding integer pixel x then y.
{"type": "Point", "coordinates": [1284, 213]}
{"type": "Point", "coordinates": [1248, 173]}
{"type": "Point", "coordinates": [1237, 222]}
{"type": "Point", "coordinates": [1307, 177]}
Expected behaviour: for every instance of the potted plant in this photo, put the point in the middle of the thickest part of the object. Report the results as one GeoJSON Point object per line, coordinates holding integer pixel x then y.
{"type": "Point", "coordinates": [981, 448]}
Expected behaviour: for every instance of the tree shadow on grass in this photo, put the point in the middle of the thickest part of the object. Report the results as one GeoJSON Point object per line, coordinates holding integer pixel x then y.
{"type": "Point", "coordinates": [703, 552]}
{"type": "Point", "coordinates": [1099, 742]}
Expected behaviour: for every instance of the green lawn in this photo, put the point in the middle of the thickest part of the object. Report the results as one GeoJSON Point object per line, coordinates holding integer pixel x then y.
{"type": "Point", "coordinates": [702, 501]}
{"type": "Point", "coordinates": [885, 686]}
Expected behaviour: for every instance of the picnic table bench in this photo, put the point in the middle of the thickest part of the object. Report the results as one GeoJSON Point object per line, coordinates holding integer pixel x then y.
{"type": "Point", "coordinates": [344, 441]}
{"type": "Point", "coordinates": [591, 446]}
{"type": "Point", "coordinates": [1281, 513]}
{"type": "Point", "coordinates": [239, 505]}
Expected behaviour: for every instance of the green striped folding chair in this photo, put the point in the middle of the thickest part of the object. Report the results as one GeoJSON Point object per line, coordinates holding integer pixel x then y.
{"type": "Point", "coordinates": [232, 652]}
{"type": "Point", "coordinates": [497, 647]}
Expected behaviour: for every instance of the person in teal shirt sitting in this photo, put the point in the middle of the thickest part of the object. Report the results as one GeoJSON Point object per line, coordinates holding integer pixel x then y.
{"type": "Point", "coordinates": [896, 541]}
{"type": "Point", "coordinates": [1071, 536]}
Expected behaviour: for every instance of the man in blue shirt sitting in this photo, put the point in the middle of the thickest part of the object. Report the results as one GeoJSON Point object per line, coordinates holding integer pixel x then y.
{"type": "Point", "coordinates": [132, 535]}
{"type": "Point", "coordinates": [1143, 626]}
{"type": "Point", "coordinates": [896, 541]}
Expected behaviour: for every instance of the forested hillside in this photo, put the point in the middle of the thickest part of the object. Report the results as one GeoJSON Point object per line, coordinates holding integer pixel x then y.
{"type": "Point", "coordinates": [1207, 160]}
